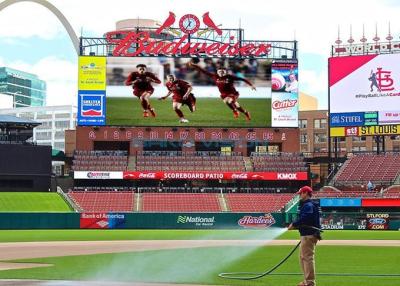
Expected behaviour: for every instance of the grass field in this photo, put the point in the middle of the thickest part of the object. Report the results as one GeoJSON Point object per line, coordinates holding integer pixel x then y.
{"type": "Point", "coordinates": [210, 112]}
{"type": "Point", "coordinates": [202, 265]}
{"type": "Point", "coordinates": [95, 235]}
{"type": "Point", "coordinates": [32, 202]}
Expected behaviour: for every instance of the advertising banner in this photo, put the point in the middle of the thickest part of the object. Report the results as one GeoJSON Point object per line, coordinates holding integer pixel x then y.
{"type": "Point", "coordinates": [368, 83]}
{"type": "Point", "coordinates": [285, 102]}
{"type": "Point", "coordinates": [365, 130]}
{"type": "Point", "coordinates": [345, 202]}
{"type": "Point", "coordinates": [95, 175]}
{"type": "Point", "coordinates": [378, 221]}
{"type": "Point", "coordinates": [204, 220]}
{"type": "Point", "coordinates": [204, 175]}
{"type": "Point", "coordinates": [102, 220]}
{"type": "Point", "coordinates": [91, 107]}
{"type": "Point", "coordinates": [92, 73]}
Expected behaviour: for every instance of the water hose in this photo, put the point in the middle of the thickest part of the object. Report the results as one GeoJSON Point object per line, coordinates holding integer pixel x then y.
{"type": "Point", "coordinates": [257, 275]}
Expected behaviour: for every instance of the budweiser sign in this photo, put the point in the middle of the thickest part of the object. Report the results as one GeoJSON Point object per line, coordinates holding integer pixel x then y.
{"type": "Point", "coordinates": [137, 43]}
{"type": "Point", "coordinates": [256, 222]}
{"type": "Point", "coordinates": [133, 44]}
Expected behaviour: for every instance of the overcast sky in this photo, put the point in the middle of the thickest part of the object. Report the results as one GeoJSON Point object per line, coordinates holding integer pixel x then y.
{"type": "Point", "coordinates": [32, 39]}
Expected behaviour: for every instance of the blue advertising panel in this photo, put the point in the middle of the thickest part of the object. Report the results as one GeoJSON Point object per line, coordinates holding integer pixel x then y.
{"type": "Point", "coordinates": [91, 107]}
{"type": "Point", "coordinates": [347, 119]}
{"type": "Point", "coordinates": [346, 202]}
{"type": "Point", "coordinates": [353, 119]}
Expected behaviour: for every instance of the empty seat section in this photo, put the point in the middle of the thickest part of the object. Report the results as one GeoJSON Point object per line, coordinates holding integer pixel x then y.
{"type": "Point", "coordinates": [257, 202]}
{"type": "Point", "coordinates": [100, 160]}
{"type": "Point", "coordinates": [156, 202]}
{"type": "Point", "coordinates": [103, 201]}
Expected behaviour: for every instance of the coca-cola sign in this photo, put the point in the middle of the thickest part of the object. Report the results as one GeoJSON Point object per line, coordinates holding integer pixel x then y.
{"type": "Point", "coordinates": [257, 222]}
{"type": "Point", "coordinates": [243, 176]}
{"type": "Point", "coordinates": [147, 175]}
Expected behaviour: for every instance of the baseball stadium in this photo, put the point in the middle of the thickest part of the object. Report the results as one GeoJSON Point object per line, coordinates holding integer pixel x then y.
{"type": "Point", "coordinates": [186, 166]}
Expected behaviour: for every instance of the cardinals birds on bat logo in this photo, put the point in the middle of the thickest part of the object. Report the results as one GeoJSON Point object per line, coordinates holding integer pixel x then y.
{"type": "Point", "coordinates": [208, 22]}
{"type": "Point", "coordinates": [167, 23]}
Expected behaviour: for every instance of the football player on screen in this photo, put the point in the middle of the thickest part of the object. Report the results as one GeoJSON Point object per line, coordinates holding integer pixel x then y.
{"type": "Point", "coordinates": [141, 81]}
{"type": "Point", "coordinates": [228, 93]}
{"type": "Point", "coordinates": [181, 94]}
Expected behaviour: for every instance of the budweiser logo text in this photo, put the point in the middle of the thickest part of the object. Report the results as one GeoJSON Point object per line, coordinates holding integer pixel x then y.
{"type": "Point", "coordinates": [144, 44]}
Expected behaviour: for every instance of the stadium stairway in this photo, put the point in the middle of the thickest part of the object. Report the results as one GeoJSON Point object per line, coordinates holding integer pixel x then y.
{"type": "Point", "coordinates": [137, 207]}
{"type": "Point", "coordinates": [248, 164]}
{"type": "Point", "coordinates": [222, 203]}
{"type": "Point", "coordinates": [132, 163]}
{"type": "Point", "coordinates": [331, 183]}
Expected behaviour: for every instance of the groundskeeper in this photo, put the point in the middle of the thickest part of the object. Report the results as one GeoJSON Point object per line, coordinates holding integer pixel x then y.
{"type": "Point", "coordinates": [309, 227]}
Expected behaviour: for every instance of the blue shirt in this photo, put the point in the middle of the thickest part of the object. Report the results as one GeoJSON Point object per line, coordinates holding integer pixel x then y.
{"type": "Point", "coordinates": [309, 216]}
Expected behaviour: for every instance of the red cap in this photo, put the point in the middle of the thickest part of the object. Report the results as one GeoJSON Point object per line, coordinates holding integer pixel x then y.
{"type": "Point", "coordinates": [305, 189]}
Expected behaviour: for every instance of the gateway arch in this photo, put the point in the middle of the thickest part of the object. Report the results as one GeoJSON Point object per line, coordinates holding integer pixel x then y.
{"type": "Point", "coordinates": [74, 38]}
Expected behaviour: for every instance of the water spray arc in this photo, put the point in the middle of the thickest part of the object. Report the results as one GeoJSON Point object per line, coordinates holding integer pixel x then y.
{"type": "Point", "coordinates": [258, 275]}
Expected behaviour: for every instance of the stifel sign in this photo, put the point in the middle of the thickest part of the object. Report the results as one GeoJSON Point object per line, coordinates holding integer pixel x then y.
{"type": "Point", "coordinates": [143, 43]}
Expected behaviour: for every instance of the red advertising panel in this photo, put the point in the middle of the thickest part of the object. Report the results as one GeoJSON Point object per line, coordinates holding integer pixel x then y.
{"type": "Point", "coordinates": [380, 203]}
{"type": "Point", "coordinates": [378, 221]}
{"type": "Point", "coordinates": [204, 175]}
{"type": "Point", "coordinates": [102, 220]}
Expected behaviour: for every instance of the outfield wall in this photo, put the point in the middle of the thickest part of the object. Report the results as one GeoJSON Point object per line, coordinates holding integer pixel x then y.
{"type": "Point", "coordinates": [356, 220]}
{"type": "Point", "coordinates": [346, 221]}
{"type": "Point", "coordinates": [139, 220]}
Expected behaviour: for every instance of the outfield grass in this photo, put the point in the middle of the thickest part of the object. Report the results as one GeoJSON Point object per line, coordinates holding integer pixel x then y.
{"type": "Point", "coordinates": [32, 202]}
{"type": "Point", "coordinates": [202, 265]}
{"type": "Point", "coordinates": [94, 235]}
{"type": "Point", "coordinates": [210, 112]}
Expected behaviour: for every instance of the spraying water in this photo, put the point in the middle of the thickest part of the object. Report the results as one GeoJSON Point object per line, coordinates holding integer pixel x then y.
{"type": "Point", "coordinates": [186, 265]}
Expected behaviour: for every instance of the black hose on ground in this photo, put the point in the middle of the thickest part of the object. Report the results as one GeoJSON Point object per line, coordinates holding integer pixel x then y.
{"type": "Point", "coordinates": [257, 275]}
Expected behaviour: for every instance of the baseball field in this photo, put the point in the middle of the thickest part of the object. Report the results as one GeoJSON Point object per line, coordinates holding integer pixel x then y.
{"type": "Point", "coordinates": [191, 257]}
{"type": "Point", "coordinates": [211, 112]}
